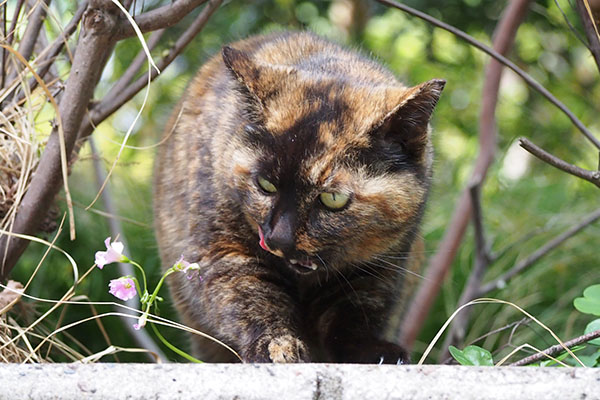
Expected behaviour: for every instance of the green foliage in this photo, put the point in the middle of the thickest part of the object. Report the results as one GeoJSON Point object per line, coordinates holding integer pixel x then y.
{"type": "Point", "coordinates": [517, 202]}
{"type": "Point", "coordinates": [591, 327]}
{"type": "Point", "coordinates": [590, 302]}
{"type": "Point", "coordinates": [472, 355]}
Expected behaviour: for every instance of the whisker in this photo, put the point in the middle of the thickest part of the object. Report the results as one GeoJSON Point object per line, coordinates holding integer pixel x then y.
{"type": "Point", "coordinates": [370, 271]}
{"type": "Point", "coordinates": [324, 266]}
{"type": "Point", "coordinates": [398, 268]}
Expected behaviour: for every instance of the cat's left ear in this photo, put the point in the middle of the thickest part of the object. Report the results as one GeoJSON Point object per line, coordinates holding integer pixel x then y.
{"type": "Point", "coordinates": [408, 122]}
{"type": "Point", "coordinates": [261, 80]}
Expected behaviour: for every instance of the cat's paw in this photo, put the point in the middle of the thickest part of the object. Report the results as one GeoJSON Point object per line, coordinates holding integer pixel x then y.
{"type": "Point", "coordinates": [287, 349]}
{"type": "Point", "coordinates": [277, 349]}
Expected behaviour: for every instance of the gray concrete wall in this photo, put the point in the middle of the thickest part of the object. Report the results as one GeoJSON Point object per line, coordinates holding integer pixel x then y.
{"type": "Point", "coordinates": [300, 381]}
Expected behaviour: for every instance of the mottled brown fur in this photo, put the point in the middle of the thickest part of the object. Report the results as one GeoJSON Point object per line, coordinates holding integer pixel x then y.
{"type": "Point", "coordinates": [310, 117]}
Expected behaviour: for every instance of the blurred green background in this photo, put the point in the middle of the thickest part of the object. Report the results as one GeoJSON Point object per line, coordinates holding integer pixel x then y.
{"type": "Point", "coordinates": [521, 194]}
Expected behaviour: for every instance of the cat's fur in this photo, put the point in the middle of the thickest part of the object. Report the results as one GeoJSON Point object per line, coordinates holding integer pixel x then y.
{"type": "Point", "coordinates": [310, 117]}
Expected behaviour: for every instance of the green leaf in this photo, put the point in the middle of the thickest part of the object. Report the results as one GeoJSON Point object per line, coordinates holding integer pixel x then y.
{"type": "Point", "coordinates": [588, 361]}
{"type": "Point", "coordinates": [590, 302]}
{"type": "Point", "coordinates": [591, 327]}
{"type": "Point", "coordinates": [549, 362]}
{"type": "Point", "coordinates": [472, 355]}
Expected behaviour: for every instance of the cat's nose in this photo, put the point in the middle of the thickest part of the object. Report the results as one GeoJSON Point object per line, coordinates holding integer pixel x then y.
{"type": "Point", "coordinates": [281, 235]}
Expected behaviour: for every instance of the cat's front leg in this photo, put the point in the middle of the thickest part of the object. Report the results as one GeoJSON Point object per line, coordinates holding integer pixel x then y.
{"type": "Point", "coordinates": [352, 326]}
{"type": "Point", "coordinates": [247, 305]}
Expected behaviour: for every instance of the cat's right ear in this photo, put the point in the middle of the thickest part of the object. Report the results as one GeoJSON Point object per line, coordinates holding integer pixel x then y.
{"type": "Point", "coordinates": [261, 80]}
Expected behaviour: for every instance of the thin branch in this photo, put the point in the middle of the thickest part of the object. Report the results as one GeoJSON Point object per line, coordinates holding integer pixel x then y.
{"type": "Point", "coordinates": [55, 48]}
{"type": "Point", "coordinates": [518, 241]}
{"type": "Point", "coordinates": [538, 254]}
{"type": "Point", "coordinates": [441, 262]}
{"type": "Point", "coordinates": [140, 336]}
{"type": "Point", "coordinates": [10, 37]}
{"type": "Point", "coordinates": [590, 30]}
{"type": "Point", "coordinates": [571, 27]}
{"type": "Point", "coordinates": [31, 35]}
{"type": "Point", "coordinates": [514, 325]}
{"type": "Point", "coordinates": [13, 24]}
{"type": "Point", "coordinates": [2, 66]}
{"type": "Point", "coordinates": [481, 263]}
{"type": "Point", "coordinates": [109, 105]}
{"type": "Point", "coordinates": [135, 66]}
{"type": "Point", "coordinates": [95, 40]}
{"type": "Point", "coordinates": [492, 53]}
{"type": "Point", "coordinates": [159, 18]}
{"type": "Point", "coordinates": [557, 348]}
{"type": "Point", "coordinates": [590, 176]}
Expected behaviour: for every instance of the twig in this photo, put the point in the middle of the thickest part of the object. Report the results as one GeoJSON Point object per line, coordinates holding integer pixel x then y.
{"type": "Point", "coordinates": [492, 53]}
{"type": "Point", "coordinates": [54, 49]}
{"type": "Point", "coordinates": [94, 41]}
{"type": "Point", "coordinates": [159, 18]}
{"type": "Point", "coordinates": [514, 325]}
{"type": "Point", "coordinates": [10, 36]}
{"type": "Point", "coordinates": [571, 27]}
{"type": "Point", "coordinates": [482, 261]}
{"type": "Point", "coordinates": [557, 348]}
{"type": "Point", "coordinates": [135, 66]}
{"type": "Point", "coordinates": [442, 260]}
{"type": "Point", "coordinates": [34, 24]}
{"type": "Point", "coordinates": [11, 31]}
{"type": "Point", "coordinates": [140, 336]}
{"type": "Point", "coordinates": [2, 66]}
{"type": "Point", "coordinates": [590, 30]}
{"type": "Point", "coordinates": [539, 253]}
{"type": "Point", "coordinates": [109, 105]}
{"type": "Point", "coordinates": [590, 176]}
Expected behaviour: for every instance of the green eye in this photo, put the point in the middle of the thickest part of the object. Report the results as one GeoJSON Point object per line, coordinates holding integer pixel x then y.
{"type": "Point", "coordinates": [334, 201]}
{"type": "Point", "coordinates": [266, 185]}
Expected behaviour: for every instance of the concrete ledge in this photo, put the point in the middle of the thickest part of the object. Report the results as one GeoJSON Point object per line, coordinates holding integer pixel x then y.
{"type": "Point", "coordinates": [299, 381]}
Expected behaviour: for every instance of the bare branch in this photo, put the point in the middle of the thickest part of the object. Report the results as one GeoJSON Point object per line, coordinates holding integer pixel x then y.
{"type": "Point", "coordinates": [481, 263]}
{"type": "Point", "coordinates": [557, 348]}
{"type": "Point", "coordinates": [135, 66]}
{"type": "Point", "coordinates": [538, 254]}
{"type": "Point", "coordinates": [95, 40]}
{"type": "Point", "coordinates": [11, 31]}
{"type": "Point", "coordinates": [590, 176]}
{"type": "Point", "coordinates": [590, 30]}
{"type": "Point", "coordinates": [159, 18]}
{"type": "Point", "coordinates": [58, 44]}
{"type": "Point", "coordinates": [513, 326]}
{"type": "Point", "coordinates": [109, 105]}
{"type": "Point", "coordinates": [442, 260]}
{"type": "Point", "coordinates": [30, 37]}
{"type": "Point", "coordinates": [492, 53]}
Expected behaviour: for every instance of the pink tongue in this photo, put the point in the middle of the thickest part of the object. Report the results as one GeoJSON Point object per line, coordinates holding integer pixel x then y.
{"type": "Point", "coordinates": [262, 239]}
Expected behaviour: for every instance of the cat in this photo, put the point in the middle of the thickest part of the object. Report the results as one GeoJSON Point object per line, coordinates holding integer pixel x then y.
{"type": "Point", "coordinates": [295, 173]}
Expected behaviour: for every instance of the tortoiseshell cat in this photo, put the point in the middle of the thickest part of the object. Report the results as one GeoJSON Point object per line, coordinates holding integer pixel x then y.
{"type": "Point", "coordinates": [296, 175]}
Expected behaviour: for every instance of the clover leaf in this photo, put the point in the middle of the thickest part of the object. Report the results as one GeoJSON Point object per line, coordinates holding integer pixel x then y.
{"type": "Point", "coordinates": [472, 355]}
{"type": "Point", "coordinates": [590, 302]}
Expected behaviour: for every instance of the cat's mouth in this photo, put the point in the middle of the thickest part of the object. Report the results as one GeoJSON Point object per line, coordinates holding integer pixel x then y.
{"type": "Point", "coordinates": [302, 263]}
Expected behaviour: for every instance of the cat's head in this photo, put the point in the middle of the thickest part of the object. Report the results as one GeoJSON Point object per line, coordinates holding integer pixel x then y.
{"type": "Point", "coordinates": [331, 164]}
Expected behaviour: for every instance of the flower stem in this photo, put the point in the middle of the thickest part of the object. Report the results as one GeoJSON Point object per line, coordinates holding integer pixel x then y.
{"type": "Point", "coordinates": [173, 348]}
{"type": "Point", "coordinates": [143, 273]}
{"type": "Point", "coordinates": [159, 285]}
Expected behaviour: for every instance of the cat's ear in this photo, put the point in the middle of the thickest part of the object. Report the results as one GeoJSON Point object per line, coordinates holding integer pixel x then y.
{"type": "Point", "coordinates": [408, 122]}
{"type": "Point", "coordinates": [261, 80]}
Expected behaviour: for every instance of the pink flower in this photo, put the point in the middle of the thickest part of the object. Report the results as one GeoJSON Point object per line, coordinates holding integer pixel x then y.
{"type": "Point", "coordinates": [191, 270]}
{"type": "Point", "coordinates": [122, 288]}
{"type": "Point", "coordinates": [113, 253]}
{"type": "Point", "coordinates": [141, 322]}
